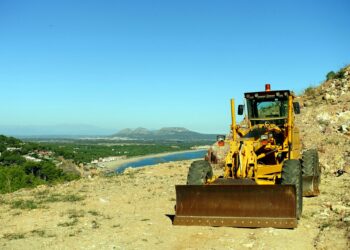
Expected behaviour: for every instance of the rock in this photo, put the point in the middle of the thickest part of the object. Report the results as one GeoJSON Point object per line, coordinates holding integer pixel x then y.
{"type": "Point", "coordinates": [307, 103]}
{"type": "Point", "coordinates": [327, 96]}
{"type": "Point", "coordinates": [343, 128]}
{"type": "Point", "coordinates": [249, 245]}
{"type": "Point", "coordinates": [323, 118]}
{"type": "Point", "coordinates": [346, 219]}
{"type": "Point", "coordinates": [103, 200]}
{"type": "Point", "coordinates": [324, 214]}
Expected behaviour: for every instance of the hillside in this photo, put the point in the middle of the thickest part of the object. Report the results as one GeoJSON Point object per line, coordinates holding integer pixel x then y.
{"type": "Point", "coordinates": [164, 134]}
{"type": "Point", "coordinates": [325, 121]}
{"type": "Point", "coordinates": [131, 211]}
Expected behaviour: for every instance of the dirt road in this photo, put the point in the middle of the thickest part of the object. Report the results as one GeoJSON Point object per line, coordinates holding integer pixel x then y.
{"type": "Point", "coordinates": [130, 211]}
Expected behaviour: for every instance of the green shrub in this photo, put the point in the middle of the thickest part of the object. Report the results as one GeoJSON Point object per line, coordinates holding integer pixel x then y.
{"type": "Point", "coordinates": [14, 177]}
{"type": "Point", "coordinates": [339, 75]}
{"type": "Point", "coordinates": [31, 174]}
{"type": "Point", "coordinates": [330, 75]}
{"type": "Point", "coordinates": [47, 171]}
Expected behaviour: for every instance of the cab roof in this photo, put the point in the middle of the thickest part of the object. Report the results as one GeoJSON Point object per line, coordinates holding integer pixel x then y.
{"type": "Point", "coordinates": [267, 94]}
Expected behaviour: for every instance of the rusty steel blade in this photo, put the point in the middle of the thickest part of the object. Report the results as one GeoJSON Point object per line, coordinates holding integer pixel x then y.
{"type": "Point", "coordinates": [236, 205]}
{"type": "Point", "coordinates": [310, 186]}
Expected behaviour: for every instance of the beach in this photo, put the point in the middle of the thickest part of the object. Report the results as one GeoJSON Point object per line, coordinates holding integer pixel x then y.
{"type": "Point", "coordinates": [115, 164]}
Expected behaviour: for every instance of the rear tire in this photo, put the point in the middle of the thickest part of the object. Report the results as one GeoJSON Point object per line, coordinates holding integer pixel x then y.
{"type": "Point", "coordinates": [311, 172]}
{"type": "Point", "coordinates": [292, 175]}
{"type": "Point", "coordinates": [199, 172]}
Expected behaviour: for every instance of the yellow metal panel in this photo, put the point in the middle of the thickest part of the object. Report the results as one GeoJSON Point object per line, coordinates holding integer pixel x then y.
{"type": "Point", "coordinates": [296, 144]}
{"type": "Point", "coordinates": [267, 169]}
{"type": "Point", "coordinates": [233, 118]}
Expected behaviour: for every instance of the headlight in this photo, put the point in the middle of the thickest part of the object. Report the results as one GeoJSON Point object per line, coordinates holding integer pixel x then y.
{"type": "Point", "coordinates": [264, 137]}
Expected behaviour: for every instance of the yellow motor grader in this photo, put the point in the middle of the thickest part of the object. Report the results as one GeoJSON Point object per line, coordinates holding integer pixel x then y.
{"type": "Point", "coordinates": [264, 175]}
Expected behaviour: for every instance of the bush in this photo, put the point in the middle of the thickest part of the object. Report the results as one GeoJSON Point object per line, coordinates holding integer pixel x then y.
{"type": "Point", "coordinates": [339, 75]}
{"type": "Point", "coordinates": [14, 178]}
{"type": "Point", "coordinates": [309, 91]}
{"type": "Point", "coordinates": [16, 172]}
{"type": "Point", "coordinates": [47, 171]}
{"type": "Point", "coordinates": [330, 75]}
{"type": "Point", "coordinates": [30, 175]}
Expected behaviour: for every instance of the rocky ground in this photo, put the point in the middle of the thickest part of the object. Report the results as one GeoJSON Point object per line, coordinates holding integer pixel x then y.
{"type": "Point", "coordinates": [131, 211]}
{"type": "Point", "coordinates": [325, 122]}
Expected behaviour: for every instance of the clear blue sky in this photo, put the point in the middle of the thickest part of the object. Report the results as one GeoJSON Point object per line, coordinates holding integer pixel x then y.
{"type": "Point", "coordinates": [117, 64]}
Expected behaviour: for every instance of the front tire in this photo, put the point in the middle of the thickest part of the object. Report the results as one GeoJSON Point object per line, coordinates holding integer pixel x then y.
{"type": "Point", "coordinates": [199, 172]}
{"type": "Point", "coordinates": [292, 175]}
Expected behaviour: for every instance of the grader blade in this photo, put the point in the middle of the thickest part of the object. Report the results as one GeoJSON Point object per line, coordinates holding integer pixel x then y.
{"type": "Point", "coordinates": [311, 186]}
{"type": "Point", "coordinates": [236, 205]}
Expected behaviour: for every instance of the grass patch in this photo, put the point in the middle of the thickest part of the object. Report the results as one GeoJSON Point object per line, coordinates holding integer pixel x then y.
{"type": "Point", "coordinates": [94, 213]}
{"type": "Point", "coordinates": [37, 232]}
{"type": "Point", "coordinates": [72, 234]}
{"type": "Point", "coordinates": [14, 236]}
{"type": "Point", "coordinates": [16, 213]}
{"type": "Point", "coordinates": [42, 193]}
{"type": "Point", "coordinates": [62, 198]}
{"type": "Point", "coordinates": [68, 223]}
{"type": "Point", "coordinates": [51, 198]}
{"type": "Point", "coordinates": [32, 204]}
{"type": "Point", "coordinates": [73, 213]}
{"type": "Point", "coordinates": [72, 198]}
{"type": "Point", "coordinates": [24, 204]}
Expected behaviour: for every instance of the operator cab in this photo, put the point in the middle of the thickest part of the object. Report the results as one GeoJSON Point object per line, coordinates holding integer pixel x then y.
{"type": "Point", "coordinates": [266, 106]}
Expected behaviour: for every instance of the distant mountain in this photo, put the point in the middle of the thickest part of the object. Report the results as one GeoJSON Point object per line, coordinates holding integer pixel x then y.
{"type": "Point", "coordinates": [60, 130]}
{"type": "Point", "coordinates": [164, 134]}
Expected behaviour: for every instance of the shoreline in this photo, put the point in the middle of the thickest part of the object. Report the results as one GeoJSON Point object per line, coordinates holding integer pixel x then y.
{"type": "Point", "coordinates": [114, 165]}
